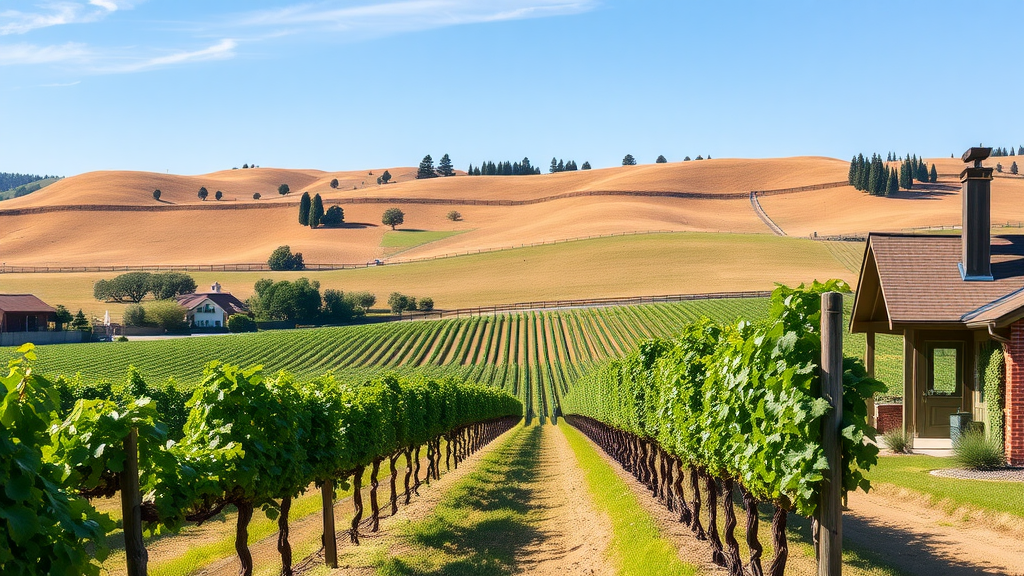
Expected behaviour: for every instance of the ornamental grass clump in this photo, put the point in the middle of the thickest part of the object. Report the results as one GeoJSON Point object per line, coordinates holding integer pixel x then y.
{"type": "Point", "coordinates": [898, 441]}
{"type": "Point", "coordinates": [976, 452]}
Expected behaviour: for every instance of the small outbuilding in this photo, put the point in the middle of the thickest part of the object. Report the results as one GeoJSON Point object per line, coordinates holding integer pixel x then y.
{"type": "Point", "coordinates": [958, 302]}
{"type": "Point", "coordinates": [25, 313]}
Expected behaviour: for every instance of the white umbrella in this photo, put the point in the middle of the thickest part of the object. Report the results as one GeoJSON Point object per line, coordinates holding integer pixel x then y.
{"type": "Point", "coordinates": [106, 318]}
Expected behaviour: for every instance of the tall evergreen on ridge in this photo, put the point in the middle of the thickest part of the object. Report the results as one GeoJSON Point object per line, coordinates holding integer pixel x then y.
{"type": "Point", "coordinates": [304, 205]}
{"type": "Point", "coordinates": [933, 175]}
{"type": "Point", "coordinates": [444, 167]}
{"type": "Point", "coordinates": [853, 172]}
{"type": "Point", "coordinates": [426, 168]}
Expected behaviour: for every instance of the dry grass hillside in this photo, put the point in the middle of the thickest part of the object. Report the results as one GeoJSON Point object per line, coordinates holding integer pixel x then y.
{"type": "Point", "coordinates": [111, 218]}
{"type": "Point", "coordinates": [126, 225]}
{"type": "Point", "coordinates": [845, 210]}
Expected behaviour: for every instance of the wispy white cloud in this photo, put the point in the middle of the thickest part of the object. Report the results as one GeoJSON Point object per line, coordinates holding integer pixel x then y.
{"type": "Point", "coordinates": [59, 13]}
{"type": "Point", "coordinates": [61, 85]}
{"type": "Point", "coordinates": [23, 53]}
{"type": "Point", "coordinates": [407, 15]}
{"type": "Point", "coordinates": [220, 51]}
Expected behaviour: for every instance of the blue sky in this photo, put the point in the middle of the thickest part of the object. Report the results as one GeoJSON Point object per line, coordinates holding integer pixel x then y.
{"type": "Point", "coordinates": [195, 86]}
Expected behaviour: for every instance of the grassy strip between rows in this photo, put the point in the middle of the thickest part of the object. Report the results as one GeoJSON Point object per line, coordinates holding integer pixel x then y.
{"type": "Point", "coordinates": [637, 547]}
{"type": "Point", "coordinates": [913, 473]}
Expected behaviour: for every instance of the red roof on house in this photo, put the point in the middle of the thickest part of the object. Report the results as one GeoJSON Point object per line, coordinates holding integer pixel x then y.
{"type": "Point", "coordinates": [24, 303]}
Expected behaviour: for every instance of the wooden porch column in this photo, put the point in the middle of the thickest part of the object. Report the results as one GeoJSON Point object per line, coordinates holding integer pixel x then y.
{"type": "Point", "coordinates": [869, 364]}
{"type": "Point", "coordinates": [909, 383]}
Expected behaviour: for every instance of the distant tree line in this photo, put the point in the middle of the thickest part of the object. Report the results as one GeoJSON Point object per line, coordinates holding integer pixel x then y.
{"type": "Point", "coordinates": [996, 152]}
{"type": "Point", "coordinates": [699, 157]}
{"type": "Point", "coordinates": [134, 286]}
{"type": "Point", "coordinates": [558, 165]}
{"type": "Point", "coordinates": [301, 301]}
{"type": "Point", "coordinates": [508, 168]}
{"type": "Point", "coordinates": [878, 178]}
{"type": "Point", "coordinates": [11, 180]}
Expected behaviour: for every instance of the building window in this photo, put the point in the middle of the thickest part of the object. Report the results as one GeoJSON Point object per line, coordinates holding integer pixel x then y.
{"type": "Point", "coordinates": [945, 369]}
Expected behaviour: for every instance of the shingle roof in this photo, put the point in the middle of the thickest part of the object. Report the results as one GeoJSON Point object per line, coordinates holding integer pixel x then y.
{"type": "Point", "coordinates": [23, 303]}
{"type": "Point", "coordinates": [225, 300]}
{"type": "Point", "coordinates": [921, 282]}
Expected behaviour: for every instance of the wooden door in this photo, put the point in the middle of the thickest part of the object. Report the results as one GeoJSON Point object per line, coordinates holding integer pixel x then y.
{"type": "Point", "coordinates": [943, 390]}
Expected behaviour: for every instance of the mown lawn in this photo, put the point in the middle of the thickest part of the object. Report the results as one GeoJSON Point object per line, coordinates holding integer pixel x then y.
{"type": "Point", "coordinates": [912, 472]}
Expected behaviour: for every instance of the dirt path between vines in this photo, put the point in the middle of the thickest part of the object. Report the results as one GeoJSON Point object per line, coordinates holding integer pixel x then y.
{"type": "Point", "coordinates": [921, 540]}
{"type": "Point", "coordinates": [574, 537]}
{"type": "Point", "coordinates": [525, 511]}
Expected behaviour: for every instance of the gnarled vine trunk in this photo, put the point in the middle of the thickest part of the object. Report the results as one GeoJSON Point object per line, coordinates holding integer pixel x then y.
{"type": "Point", "coordinates": [711, 486]}
{"type": "Point", "coordinates": [408, 474]}
{"type": "Point", "coordinates": [416, 473]}
{"type": "Point", "coordinates": [283, 546]}
{"type": "Point", "coordinates": [698, 529]}
{"type": "Point", "coordinates": [750, 505]}
{"type": "Point", "coordinates": [357, 500]}
{"type": "Point", "coordinates": [242, 538]}
{"type": "Point", "coordinates": [685, 515]}
{"type": "Point", "coordinates": [374, 508]}
{"type": "Point", "coordinates": [778, 565]}
{"type": "Point", "coordinates": [733, 559]}
{"type": "Point", "coordinates": [394, 481]}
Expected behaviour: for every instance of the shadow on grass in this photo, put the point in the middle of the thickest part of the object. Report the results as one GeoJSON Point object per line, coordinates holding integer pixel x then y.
{"type": "Point", "coordinates": [482, 521]}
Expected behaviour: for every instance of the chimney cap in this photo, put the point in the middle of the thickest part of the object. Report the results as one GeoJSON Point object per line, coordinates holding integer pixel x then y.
{"type": "Point", "coordinates": [976, 154]}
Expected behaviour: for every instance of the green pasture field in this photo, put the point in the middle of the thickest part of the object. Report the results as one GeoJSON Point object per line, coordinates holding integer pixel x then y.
{"type": "Point", "coordinates": [411, 238]}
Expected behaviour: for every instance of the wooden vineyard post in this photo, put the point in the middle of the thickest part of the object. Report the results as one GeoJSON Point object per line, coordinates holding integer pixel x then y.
{"type": "Point", "coordinates": [330, 534]}
{"type": "Point", "coordinates": [830, 511]}
{"type": "Point", "coordinates": [135, 553]}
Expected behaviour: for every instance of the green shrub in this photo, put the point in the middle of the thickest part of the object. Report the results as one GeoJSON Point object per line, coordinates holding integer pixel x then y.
{"type": "Point", "coordinates": [976, 452]}
{"type": "Point", "coordinates": [134, 315]}
{"type": "Point", "coordinates": [121, 339]}
{"type": "Point", "coordinates": [898, 440]}
{"type": "Point", "coordinates": [425, 304]}
{"type": "Point", "coordinates": [283, 259]}
{"type": "Point", "coordinates": [241, 323]}
{"type": "Point", "coordinates": [167, 314]}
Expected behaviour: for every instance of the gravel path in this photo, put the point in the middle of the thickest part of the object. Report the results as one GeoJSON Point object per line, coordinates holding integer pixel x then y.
{"type": "Point", "coordinates": [1000, 475]}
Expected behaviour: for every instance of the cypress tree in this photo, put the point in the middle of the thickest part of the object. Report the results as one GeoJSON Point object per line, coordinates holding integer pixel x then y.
{"type": "Point", "coordinates": [554, 166]}
{"type": "Point", "coordinates": [853, 172]}
{"type": "Point", "coordinates": [304, 205]}
{"type": "Point", "coordinates": [316, 212]}
{"type": "Point", "coordinates": [922, 171]}
{"type": "Point", "coordinates": [865, 175]}
{"type": "Point", "coordinates": [892, 185]}
{"type": "Point", "coordinates": [933, 175]}
{"type": "Point", "coordinates": [561, 166]}
{"type": "Point", "coordinates": [1013, 168]}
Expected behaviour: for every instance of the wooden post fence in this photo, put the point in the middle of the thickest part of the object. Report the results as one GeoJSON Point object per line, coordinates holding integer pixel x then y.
{"type": "Point", "coordinates": [135, 553]}
{"type": "Point", "coordinates": [830, 510]}
{"type": "Point", "coordinates": [330, 534]}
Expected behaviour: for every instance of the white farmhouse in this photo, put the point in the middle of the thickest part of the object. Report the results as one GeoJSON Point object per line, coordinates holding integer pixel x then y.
{"type": "Point", "coordinates": [211, 309]}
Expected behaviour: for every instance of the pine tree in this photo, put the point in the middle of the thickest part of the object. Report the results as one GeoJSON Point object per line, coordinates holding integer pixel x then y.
{"type": "Point", "coordinates": [1020, 151]}
{"type": "Point", "coordinates": [586, 165]}
{"type": "Point", "coordinates": [426, 168]}
{"type": "Point", "coordinates": [561, 166]}
{"type": "Point", "coordinates": [661, 159]}
{"type": "Point", "coordinates": [444, 167]}
{"type": "Point", "coordinates": [874, 175]}
{"type": "Point", "coordinates": [554, 166]}
{"type": "Point", "coordinates": [304, 204]}
{"type": "Point", "coordinates": [316, 212]}
{"type": "Point", "coordinates": [852, 177]}
{"type": "Point", "coordinates": [628, 160]}
{"type": "Point", "coordinates": [933, 175]}
{"type": "Point", "coordinates": [1013, 168]}
{"type": "Point", "coordinates": [469, 171]}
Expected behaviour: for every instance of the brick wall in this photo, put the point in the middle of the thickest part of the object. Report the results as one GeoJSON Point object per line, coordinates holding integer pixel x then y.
{"type": "Point", "coordinates": [1014, 415]}
{"type": "Point", "coordinates": [888, 417]}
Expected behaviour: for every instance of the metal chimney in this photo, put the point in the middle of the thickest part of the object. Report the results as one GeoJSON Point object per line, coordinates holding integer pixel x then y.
{"type": "Point", "coordinates": [976, 240]}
